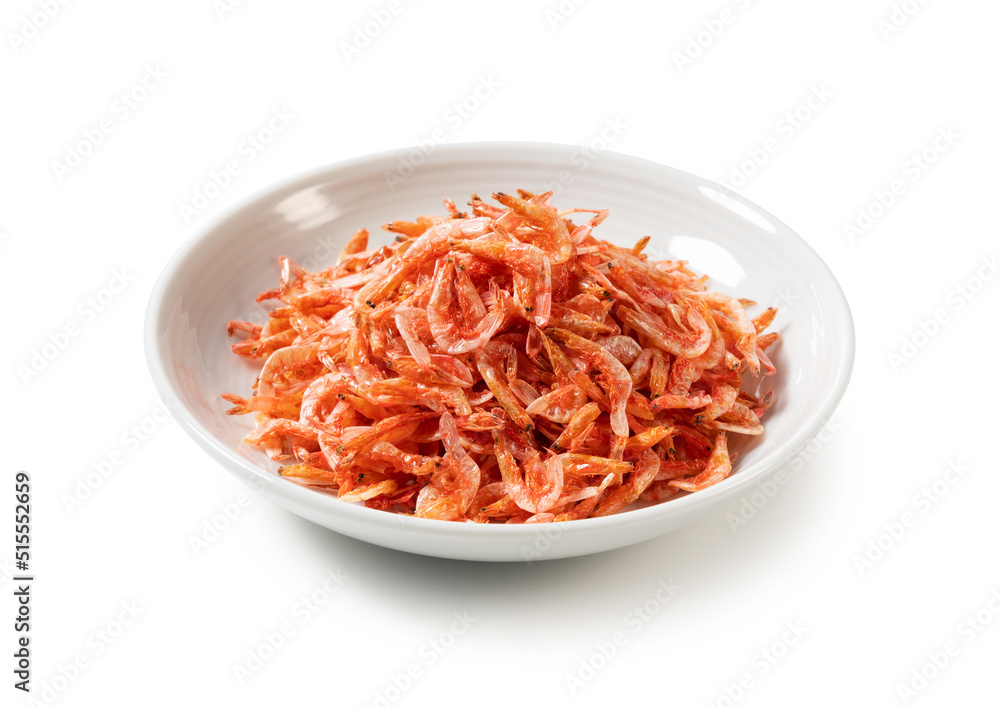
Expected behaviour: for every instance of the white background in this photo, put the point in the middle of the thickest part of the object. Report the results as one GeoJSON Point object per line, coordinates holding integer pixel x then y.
{"type": "Point", "coordinates": [903, 98]}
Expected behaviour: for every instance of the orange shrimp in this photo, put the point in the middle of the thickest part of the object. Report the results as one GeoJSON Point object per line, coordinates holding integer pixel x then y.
{"type": "Point", "coordinates": [681, 345]}
{"type": "Point", "coordinates": [454, 484]}
{"type": "Point", "coordinates": [575, 427]}
{"type": "Point", "coordinates": [542, 482]}
{"type": "Point", "coordinates": [503, 366]}
{"type": "Point", "coordinates": [559, 404]}
{"type": "Point", "coordinates": [619, 381]}
{"type": "Point", "coordinates": [624, 348]}
{"type": "Point", "coordinates": [627, 493]}
{"type": "Point", "coordinates": [551, 236]}
{"type": "Point", "coordinates": [440, 370]}
{"type": "Point", "coordinates": [716, 470]}
{"type": "Point", "coordinates": [357, 244]}
{"type": "Point", "coordinates": [286, 369]}
{"type": "Point", "coordinates": [432, 244]}
{"type": "Point", "coordinates": [730, 315]}
{"type": "Point", "coordinates": [443, 326]}
{"type": "Point", "coordinates": [489, 369]}
{"type": "Point", "coordinates": [415, 464]}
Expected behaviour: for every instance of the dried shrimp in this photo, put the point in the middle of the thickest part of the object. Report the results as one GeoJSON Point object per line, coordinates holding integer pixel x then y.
{"type": "Point", "coordinates": [502, 365]}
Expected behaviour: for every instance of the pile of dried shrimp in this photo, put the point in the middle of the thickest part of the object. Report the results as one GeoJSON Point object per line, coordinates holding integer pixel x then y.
{"type": "Point", "coordinates": [502, 365]}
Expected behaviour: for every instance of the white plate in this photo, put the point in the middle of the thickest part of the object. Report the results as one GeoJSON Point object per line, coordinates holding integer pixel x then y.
{"type": "Point", "coordinates": [217, 274]}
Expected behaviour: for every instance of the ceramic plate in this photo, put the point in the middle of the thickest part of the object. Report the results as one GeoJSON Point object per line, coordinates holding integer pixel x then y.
{"type": "Point", "coordinates": [217, 274]}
